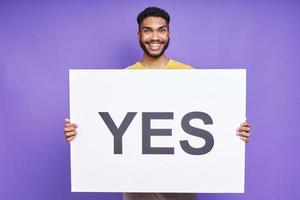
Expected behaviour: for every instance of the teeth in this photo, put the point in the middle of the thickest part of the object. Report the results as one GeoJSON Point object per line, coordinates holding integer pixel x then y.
{"type": "Point", "coordinates": [154, 46]}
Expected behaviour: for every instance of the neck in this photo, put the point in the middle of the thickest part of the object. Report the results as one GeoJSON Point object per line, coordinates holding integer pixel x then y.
{"type": "Point", "coordinates": [150, 62]}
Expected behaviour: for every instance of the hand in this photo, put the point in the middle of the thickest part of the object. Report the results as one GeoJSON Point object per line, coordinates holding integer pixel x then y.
{"type": "Point", "coordinates": [244, 131]}
{"type": "Point", "coordinates": [70, 130]}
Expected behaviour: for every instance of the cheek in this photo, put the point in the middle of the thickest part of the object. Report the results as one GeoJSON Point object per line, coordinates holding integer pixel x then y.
{"type": "Point", "coordinates": [144, 38]}
{"type": "Point", "coordinates": [141, 37]}
{"type": "Point", "coordinates": [165, 37]}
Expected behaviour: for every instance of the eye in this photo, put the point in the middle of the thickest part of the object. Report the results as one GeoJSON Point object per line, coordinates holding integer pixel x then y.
{"type": "Point", "coordinates": [163, 30]}
{"type": "Point", "coordinates": [146, 31]}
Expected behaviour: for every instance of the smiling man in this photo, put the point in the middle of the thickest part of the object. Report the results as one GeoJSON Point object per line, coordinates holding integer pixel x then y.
{"type": "Point", "coordinates": [154, 37]}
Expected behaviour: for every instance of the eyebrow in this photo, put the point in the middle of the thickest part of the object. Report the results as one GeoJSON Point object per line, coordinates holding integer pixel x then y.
{"type": "Point", "coordinates": [148, 27]}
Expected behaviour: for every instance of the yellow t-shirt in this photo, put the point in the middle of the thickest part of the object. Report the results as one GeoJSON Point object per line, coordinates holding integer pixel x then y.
{"type": "Point", "coordinates": [172, 64]}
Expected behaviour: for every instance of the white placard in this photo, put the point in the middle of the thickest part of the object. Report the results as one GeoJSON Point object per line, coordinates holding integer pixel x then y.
{"type": "Point", "coordinates": [97, 165]}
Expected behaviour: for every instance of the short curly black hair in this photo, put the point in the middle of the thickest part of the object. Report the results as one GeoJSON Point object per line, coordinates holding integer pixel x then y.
{"type": "Point", "coordinates": [153, 12]}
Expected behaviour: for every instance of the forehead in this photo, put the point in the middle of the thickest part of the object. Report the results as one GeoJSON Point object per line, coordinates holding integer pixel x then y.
{"type": "Point", "coordinates": [154, 22]}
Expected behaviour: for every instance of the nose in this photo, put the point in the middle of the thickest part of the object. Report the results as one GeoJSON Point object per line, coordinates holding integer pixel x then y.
{"type": "Point", "coordinates": [155, 35]}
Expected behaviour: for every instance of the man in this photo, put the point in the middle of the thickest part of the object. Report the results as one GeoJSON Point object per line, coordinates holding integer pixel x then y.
{"type": "Point", "coordinates": [154, 38]}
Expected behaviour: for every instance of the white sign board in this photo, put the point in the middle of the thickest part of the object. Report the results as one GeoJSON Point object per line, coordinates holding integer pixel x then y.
{"type": "Point", "coordinates": [157, 130]}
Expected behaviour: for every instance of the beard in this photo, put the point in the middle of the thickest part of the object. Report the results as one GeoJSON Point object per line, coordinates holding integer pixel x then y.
{"type": "Point", "coordinates": [148, 53]}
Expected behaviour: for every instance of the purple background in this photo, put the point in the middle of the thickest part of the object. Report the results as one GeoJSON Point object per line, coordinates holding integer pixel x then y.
{"type": "Point", "coordinates": [40, 41]}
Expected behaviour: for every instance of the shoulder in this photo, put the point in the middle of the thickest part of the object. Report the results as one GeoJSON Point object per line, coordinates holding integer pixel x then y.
{"type": "Point", "coordinates": [136, 65]}
{"type": "Point", "coordinates": [178, 65]}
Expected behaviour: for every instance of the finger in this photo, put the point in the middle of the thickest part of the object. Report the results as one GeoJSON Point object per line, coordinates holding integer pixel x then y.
{"type": "Point", "coordinates": [245, 139]}
{"type": "Point", "coordinates": [247, 124]}
{"type": "Point", "coordinates": [68, 123]}
{"type": "Point", "coordinates": [244, 134]}
{"type": "Point", "coordinates": [71, 125]}
{"type": "Point", "coordinates": [69, 139]}
{"type": "Point", "coordinates": [68, 129]}
{"type": "Point", "coordinates": [72, 133]}
{"type": "Point", "coordinates": [244, 128]}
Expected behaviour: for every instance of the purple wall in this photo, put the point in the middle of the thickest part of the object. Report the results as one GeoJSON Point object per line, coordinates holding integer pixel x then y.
{"type": "Point", "coordinates": [40, 41]}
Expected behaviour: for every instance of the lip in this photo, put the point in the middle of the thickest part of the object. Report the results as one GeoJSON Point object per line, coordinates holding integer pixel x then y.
{"type": "Point", "coordinates": [154, 46]}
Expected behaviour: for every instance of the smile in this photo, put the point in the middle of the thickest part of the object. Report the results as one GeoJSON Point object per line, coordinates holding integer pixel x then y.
{"type": "Point", "coordinates": [154, 46]}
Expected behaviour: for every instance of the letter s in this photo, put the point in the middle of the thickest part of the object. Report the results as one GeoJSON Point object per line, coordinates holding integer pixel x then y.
{"type": "Point", "coordinates": [207, 136]}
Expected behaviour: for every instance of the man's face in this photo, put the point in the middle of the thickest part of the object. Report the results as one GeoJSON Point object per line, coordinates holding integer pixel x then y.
{"type": "Point", "coordinates": [154, 36]}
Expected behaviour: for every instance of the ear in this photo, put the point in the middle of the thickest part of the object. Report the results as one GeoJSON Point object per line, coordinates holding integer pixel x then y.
{"type": "Point", "coordinates": [138, 36]}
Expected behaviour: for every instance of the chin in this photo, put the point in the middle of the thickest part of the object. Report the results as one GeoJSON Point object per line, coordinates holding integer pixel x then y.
{"type": "Point", "coordinates": [154, 55]}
